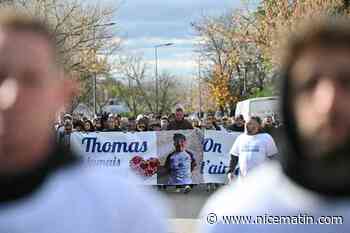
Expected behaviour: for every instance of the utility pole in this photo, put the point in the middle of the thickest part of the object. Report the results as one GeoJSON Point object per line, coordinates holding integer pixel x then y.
{"type": "Point", "coordinates": [245, 81]}
{"type": "Point", "coordinates": [156, 71]}
{"type": "Point", "coordinates": [94, 79]}
{"type": "Point", "coordinates": [95, 61]}
{"type": "Point", "coordinates": [199, 87]}
{"type": "Point", "coordinates": [156, 75]}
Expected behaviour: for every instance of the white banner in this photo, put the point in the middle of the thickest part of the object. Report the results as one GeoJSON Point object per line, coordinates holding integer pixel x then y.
{"type": "Point", "coordinates": [146, 153]}
{"type": "Point", "coordinates": [216, 156]}
{"type": "Point", "coordinates": [122, 153]}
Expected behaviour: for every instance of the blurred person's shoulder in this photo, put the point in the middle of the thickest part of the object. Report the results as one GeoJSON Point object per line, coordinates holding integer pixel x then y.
{"type": "Point", "coordinates": [265, 194]}
{"type": "Point", "coordinates": [87, 199]}
{"type": "Point", "coordinates": [112, 187]}
{"type": "Point", "coordinates": [265, 190]}
{"type": "Point", "coordinates": [265, 136]}
{"type": "Point", "coordinates": [247, 195]}
{"type": "Point", "coordinates": [242, 137]}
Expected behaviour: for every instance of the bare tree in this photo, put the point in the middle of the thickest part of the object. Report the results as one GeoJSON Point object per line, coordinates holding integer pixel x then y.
{"type": "Point", "coordinates": [134, 70]}
{"type": "Point", "coordinates": [83, 31]}
{"type": "Point", "coordinates": [85, 35]}
{"type": "Point", "coordinates": [141, 88]}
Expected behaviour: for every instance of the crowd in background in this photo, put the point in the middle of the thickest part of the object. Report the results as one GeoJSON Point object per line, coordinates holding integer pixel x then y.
{"type": "Point", "coordinates": [108, 122]}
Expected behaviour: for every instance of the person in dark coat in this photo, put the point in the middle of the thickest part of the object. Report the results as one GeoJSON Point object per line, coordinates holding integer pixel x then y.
{"type": "Point", "coordinates": [180, 122]}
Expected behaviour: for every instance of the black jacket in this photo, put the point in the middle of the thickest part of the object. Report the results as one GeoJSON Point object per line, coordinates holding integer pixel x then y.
{"type": "Point", "coordinates": [177, 125]}
{"type": "Point", "coordinates": [235, 128]}
{"type": "Point", "coordinates": [22, 184]}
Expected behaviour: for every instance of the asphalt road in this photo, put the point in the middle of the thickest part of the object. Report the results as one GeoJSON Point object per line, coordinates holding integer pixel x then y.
{"type": "Point", "coordinates": [185, 208]}
{"type": "Point", "coordinates": [189, 205]}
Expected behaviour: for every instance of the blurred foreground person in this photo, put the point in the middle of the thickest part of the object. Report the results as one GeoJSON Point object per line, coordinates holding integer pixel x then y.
{"type": "Point", "coordinates": [310, 190]}
{"type": "Point", "coordinates": [42, 188]}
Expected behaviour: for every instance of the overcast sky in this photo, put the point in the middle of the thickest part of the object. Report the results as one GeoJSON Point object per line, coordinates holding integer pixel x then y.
{"type": "Point", "coordinates": [146, 23]}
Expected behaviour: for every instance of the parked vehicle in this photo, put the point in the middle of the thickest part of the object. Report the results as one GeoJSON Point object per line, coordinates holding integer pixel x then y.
{"type": "Point", "coordinates": [262, 107]}
{"type": "Point", "coordinates": [116, 107]}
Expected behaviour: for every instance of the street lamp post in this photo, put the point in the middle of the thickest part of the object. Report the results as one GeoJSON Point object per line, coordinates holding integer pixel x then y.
{"type": "Point", "coordinates": [199, 87]}
{"type": "Point", "coordinates": [95, 71]}
{"type": "Point", "coordinates": [94, 94]}
{"type": "Point", "coordinates": [95, 61]}
{"type": "Point", "coordinates": [245, 80]}
{"type": "Point", "coordinates": [156, 70]}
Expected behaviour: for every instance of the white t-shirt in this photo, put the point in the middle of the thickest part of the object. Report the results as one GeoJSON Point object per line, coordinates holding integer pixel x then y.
{"type": "Point", "coordinates": [85, 200]}
{"type": "Point", "coordinates": [252, 150]}
{"type": "Point", "coordinates": [268, 195]}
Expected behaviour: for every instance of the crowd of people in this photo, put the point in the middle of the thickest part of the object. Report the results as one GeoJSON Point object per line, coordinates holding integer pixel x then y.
{"type": "Point", "coordinates": [178, 120]}
{"type": "Point", "coordinates": [46, 189]}
{"type": "Point", "coordinates": [108, 122]}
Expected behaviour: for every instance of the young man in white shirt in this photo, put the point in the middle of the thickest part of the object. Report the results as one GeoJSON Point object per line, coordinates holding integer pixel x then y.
{"type": "Point", "coordinates": [251, 148]}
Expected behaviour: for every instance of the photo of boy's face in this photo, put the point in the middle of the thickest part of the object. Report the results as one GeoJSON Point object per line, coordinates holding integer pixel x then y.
{"type": "Point", "coordinates": [180, 144]}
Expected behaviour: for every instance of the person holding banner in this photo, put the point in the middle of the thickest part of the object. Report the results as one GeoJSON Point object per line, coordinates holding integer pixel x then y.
{"type": "Point", "coordinates": [251, 148]}
{"type": "Point", "coordinates": [142, 125]}
{"type": "Point", "coordinates": [180, 122]}
{"type": "Point", "coordinates": [131, 127]}
{"type": "Point", "coordinates": [44, 188]}
{"type": "Point", "coordinates": [112, 125]}
{"type": "Point", "coordinates": [164, 122]}
{"type": "Point", "coordinates": [98, 124]}
{"type": "Point", "coordinates": [238, 124]}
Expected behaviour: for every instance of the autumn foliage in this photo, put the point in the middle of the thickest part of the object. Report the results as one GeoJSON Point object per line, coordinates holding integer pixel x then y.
{"type": "Point", "coordinates": [220, 88]}
{"type": "Point", "coordinates": [246, 44]}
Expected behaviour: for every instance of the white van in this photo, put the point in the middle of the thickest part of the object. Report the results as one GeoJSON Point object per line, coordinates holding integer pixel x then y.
{"type": "Point", "coordinates": [261, 107]}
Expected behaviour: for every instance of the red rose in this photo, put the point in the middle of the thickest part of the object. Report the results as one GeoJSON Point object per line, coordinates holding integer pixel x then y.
{"type": "Point", "coordinates": [153, 164]}
{"type": "Point", "coordinates": [143, 165]}
{"type": "Point", "coordinates": [136, 159]}
{"type": "Point", "coordinates": [149, 172]}
{"type": "Point", "coordinates": [146, 168]}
